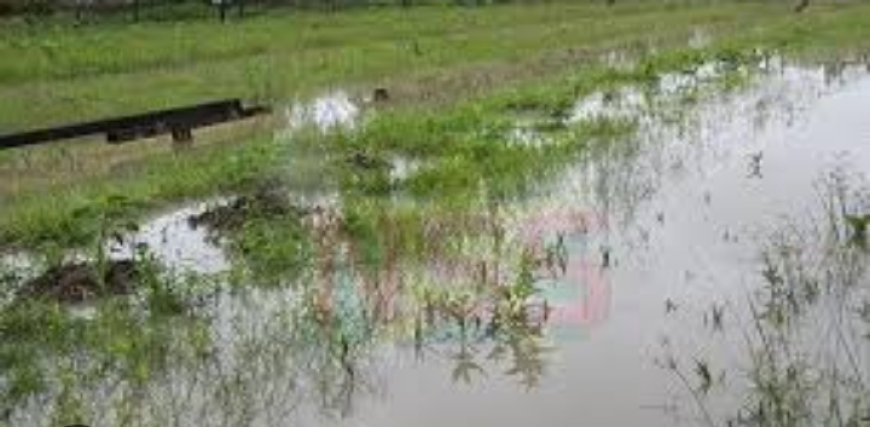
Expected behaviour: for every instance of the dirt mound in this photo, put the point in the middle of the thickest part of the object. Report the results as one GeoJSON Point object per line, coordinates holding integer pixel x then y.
{"type": "Point", "coordinates": [367, 161]}
{"type": "Point", "coordinates": [79, 282]}
{"type": "Point", "coordinates": [233, 215]}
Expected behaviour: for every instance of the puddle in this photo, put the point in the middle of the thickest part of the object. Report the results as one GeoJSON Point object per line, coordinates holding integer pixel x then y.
{"type": "Point", "coordinates": [169, 237]}
{"type": "Point", "coordinates": [534, 128]}
{"type": "Point", "coordinates": [176, 244]}
{"type": "Point", "coordinates": [550, 310]}
{"type": "Point", "coordinates": [619, 60]}
{"type": "Point", "coordinates": [189, 239]}
{"type": "Point", "coordinates": [529, 134]}
{"type": "Point", "coordinates": [334, 110]}
{"type": "Point", "coordinates": [14, 269]}
{"type": "Point", "coordinates": [403, 167]}
{"type": "Point", "coordinates": [620, 104]}
{"type": "Point", "coordinates": [15, 261]}
{"type": "Point", "coordinates": [636, 102]}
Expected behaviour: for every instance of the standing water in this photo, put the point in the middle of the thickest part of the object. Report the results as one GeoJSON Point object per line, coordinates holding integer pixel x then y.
{"type": "Point", "coordinates": [629, 251]}
{"type": "Point", "coordinates": [658, 231]}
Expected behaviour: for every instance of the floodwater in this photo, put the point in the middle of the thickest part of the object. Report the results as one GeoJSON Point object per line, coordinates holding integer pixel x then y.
{"type": "Point", "coordinates": [682, 214]}
{"type": "Point", "coordinates": [328, 111]}
{"type": "Point", "coordinates": [175, 243]}
{"type": "Point", "coordinates": [652, 233]}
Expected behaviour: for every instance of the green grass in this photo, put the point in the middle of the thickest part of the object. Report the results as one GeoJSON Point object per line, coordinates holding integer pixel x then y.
{"type": "Point", "coordinates": [461, 143]}
{"type": "Point", "coordinates": [441, 213]}
{"type": "Point", "coordinates": [63, 74]}
{"type": "Point", "coordinates": [69, 217]}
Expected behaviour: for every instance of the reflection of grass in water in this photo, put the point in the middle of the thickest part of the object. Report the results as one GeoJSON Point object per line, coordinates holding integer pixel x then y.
{"type": "Point", "coordinates": [463, 151]}
{"type": "Point", "coordinates": [806, 341]}
{"type": "Point", "coordinates": [142, 363]}
{"type": "Point", "coordinates": [468, 168]}
{"type": "Point", "coordinates": [64, 359]}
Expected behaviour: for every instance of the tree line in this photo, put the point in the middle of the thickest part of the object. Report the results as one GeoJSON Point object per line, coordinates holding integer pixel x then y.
{"type": "Point", "coordinates": [136, 10]}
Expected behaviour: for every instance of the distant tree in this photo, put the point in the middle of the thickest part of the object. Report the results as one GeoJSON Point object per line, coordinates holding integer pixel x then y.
{"type": "Point", "coordinates": [222, 9]}
{"type": "Point", "coordinates": [35, 10]}
{"type": "Point", "coordinates": [803, 4]}
{"type": "Point", "coordinates": [136, 4]}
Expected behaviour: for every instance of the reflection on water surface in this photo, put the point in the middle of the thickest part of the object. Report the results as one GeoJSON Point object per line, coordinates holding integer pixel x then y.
{"type": "Point", "coordinates": [548, 309]}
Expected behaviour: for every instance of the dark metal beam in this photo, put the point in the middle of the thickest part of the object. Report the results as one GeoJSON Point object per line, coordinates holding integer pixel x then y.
{"type": "Point", "coordinates": [175, 121]}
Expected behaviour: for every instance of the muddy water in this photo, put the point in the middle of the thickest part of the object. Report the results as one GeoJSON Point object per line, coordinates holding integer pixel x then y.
{"type": "Point", "coordinates": [654, 231]}
{"type": "Point", "coordinates": [326, 112]}
{"type": "Point", "coordinates": [669, 226]}
{"type": "Point", "coordinates": [175, 243]}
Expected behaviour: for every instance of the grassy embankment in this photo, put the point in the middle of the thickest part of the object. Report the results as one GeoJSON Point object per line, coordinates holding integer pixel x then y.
{"type": "Point", "coordinates": [428, 57]}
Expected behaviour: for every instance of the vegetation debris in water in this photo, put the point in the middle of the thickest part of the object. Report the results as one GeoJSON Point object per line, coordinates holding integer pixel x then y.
{"type": "Point", "coordinates": [79, 282]}
{"type": "Point", "coordinates": [232, 216]}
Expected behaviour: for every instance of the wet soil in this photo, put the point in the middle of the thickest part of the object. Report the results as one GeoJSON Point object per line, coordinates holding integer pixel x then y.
{"type": "Point", "coordinates": [264, 203]}
{"type": "Point", "coordinates": [79, 282]}
{"type": "Point", "coordinates": [654, 237]}
{"type": "Point", "coordinates": [367, 161]}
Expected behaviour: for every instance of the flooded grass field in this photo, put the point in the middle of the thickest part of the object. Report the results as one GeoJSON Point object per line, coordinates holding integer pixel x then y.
{"type": "Point", "coordinates": [656, 238]}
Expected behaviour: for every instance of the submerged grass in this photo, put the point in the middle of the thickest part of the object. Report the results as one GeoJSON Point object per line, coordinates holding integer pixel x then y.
{"type": "Point", "coordinates": [320, 332]}
{"type": "Point", "coordinates": [463, 151]}
{"type": "Point", "coordinates": [458, 147]}
{"type": "Point", "coordinates": [803, 359]}
{"type": "Point", "coordinates": [423, 258]}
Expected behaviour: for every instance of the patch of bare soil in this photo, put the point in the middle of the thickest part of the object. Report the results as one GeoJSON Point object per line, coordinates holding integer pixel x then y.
{"type": "Point", "coordinates": [233, 215]}
{"type": "Point", "coordinates": [79, 282]}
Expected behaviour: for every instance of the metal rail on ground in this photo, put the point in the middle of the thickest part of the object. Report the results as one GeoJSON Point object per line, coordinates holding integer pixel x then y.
{"type": "Point", "coordinates": [179, 122]}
